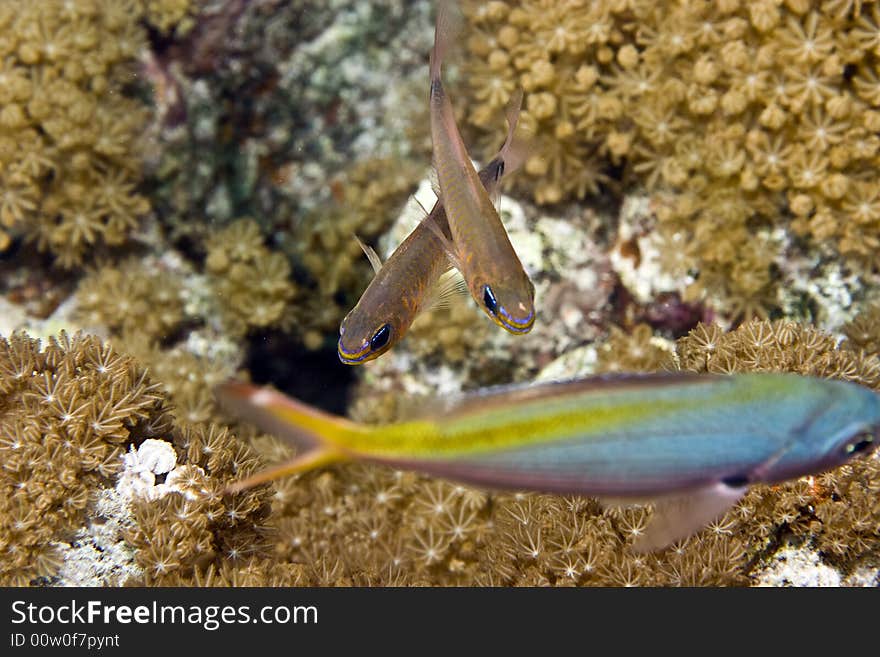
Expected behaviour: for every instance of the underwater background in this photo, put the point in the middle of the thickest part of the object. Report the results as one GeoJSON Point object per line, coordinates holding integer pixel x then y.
{"type": "Point", "coordinates": [182, 180]}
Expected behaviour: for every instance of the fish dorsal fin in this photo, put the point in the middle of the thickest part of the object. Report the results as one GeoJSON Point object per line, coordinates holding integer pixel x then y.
{"type": "Point", "coordinates": [518, 145]}
{"type": "Point", "coordinates": [449, 286]}
{"type": "Point", "coordinates": [434, 179]}
{"type": "Point", "coordinates": [447, 244]}
{"type": "Point", "coordinates": [676, 517]}
{"type": "Point", "coordinates": [521, 393]}
{"type": "Point", "coordinates": [371, 254]}
{"type": "Point", "coordinates": [512, 109]}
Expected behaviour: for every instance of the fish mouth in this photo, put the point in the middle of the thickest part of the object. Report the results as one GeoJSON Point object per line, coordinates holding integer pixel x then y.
{"type": "Point", "coordinates": [515, 324]}
{"type": "Point", "coordinates": [353, 358]}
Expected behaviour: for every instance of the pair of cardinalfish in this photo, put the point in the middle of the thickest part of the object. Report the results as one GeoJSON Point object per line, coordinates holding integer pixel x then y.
{"type": "Point", "coordinates": [463, 230]}
{"type": "Point", "coordinates": [690, 444]}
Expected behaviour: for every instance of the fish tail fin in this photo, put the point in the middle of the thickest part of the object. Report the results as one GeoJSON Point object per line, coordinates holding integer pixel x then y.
{"type": "Point", "coordinates": [448, 24]}
{"type": "Point", "coordinates": [317, 436]}
{"type": "Point", "coordinates": [516, 149]}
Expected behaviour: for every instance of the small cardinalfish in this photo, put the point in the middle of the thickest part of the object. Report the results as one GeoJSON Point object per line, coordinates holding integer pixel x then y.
{"type": "Point", "coordinates": [412, 280]}
{"type": "Point", "coordinates": [480, 246]}
{"type": "Point", "coordinates": [691, 444]}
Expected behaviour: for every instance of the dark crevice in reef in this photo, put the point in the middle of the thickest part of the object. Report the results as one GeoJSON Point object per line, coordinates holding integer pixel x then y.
{"type": "Point", "coordinates": [314, 377]}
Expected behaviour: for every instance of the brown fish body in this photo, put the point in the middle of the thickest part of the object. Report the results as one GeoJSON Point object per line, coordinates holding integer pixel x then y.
{"type": "Point", "coordinates": [396, 295]}
{"type": "Point", "coordinates": [402, 287]}
{"type": "Point", "coordinates": [494, 274]}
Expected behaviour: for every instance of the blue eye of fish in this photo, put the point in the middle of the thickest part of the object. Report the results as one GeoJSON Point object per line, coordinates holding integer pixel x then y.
{"type": "Point", "coordinates": [380, 338]}
{"type": "Point", "coordinates": [489, 300]}
{"type": "Point", "coordinates": [860, 445]}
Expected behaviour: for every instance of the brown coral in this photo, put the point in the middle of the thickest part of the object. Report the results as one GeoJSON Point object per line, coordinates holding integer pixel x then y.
{"type": "Point", "coordinates": [67, 411]}
{"type": "Point", "coordinates": [176, 16]}
{"type": "Point", "coordinates": [69, 135]}
{"type": "Point", "coordinates": [740, 119]}
{"type": "Point", "coordinates": [251, 284]}
{"type": "Point", "coordinates": [131, 298]}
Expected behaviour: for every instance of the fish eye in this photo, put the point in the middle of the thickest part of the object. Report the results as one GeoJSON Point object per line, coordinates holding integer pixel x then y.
{"type": "Point", "coordinates": [859, 444]}
{"type": "Point", "coordinates": [380, 338]}
{"type": "Point", "coordinates": [736, 481]}
{"type": "Point", "coordinates": [489, 300]}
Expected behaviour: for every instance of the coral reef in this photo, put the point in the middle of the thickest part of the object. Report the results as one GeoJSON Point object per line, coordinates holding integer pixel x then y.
{"type": "Point", "coordinates": [78, 419]}
{"type": "Point", "coordinates": [322, 149]}
{"type": "Point", "coordinates": [740, 118]}
{"type": "Point", "coordinates": [328, 85]}
{"type": "Point", "coordinates": [170, 16]}
{"type": "Point", "coordinates": [742, 134]}
{"type": "Point", "coordinates": [70, 130]}
{"type": "Point", "coordinates": [250, 283]}
{"type": "Point", "coordinates": [67, 413]}
{"type": "Point", "coordinates": [131, 298]}
{"type": "Point", "coordinates": [187, 327]}
{"type": "Point", "coordinates": [863, 332]}
{"type": "Point", "coordinates": [245, 286]}
{"type": "Point", "coordinates": [638, 351]}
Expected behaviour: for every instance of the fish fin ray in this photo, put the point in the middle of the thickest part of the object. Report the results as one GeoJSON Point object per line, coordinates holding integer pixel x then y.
{"type": "Point", "coordinates": [677, 517]}
{"type": "Point", "coordinates": [371, 254]}
{"type": "Point", "coordinates": [449, 286]}
{"type": "Point", "coordinates": [513, 151]}
{"type": "Point", "coordinates": [434, 179]}
{"type": "Point", "coordinates": [447, 244]}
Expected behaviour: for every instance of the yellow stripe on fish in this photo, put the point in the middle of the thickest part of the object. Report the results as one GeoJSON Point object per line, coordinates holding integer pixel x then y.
{"type": "Point", "coordinates": [693, 442]}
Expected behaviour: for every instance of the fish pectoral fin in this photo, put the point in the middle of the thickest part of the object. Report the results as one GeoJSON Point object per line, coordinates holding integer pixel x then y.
{"type": "Point", "coordinates": [449, 286]}
{"type": "Point", "coordinates": [371, 254]}
{"type": "Point", "coordinates": [679, 516]}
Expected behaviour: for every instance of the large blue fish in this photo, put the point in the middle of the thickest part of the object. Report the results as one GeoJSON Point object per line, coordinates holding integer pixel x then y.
{"type": "Point", "coordinates": [691, 444]}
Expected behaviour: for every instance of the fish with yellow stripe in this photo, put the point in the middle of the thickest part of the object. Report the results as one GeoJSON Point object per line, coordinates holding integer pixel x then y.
{"type": "Point", "coordinates": [690, 444]}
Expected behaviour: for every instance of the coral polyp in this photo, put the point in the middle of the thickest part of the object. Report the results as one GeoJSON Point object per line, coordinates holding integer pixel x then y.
{"type": "Point", "coordinates": [184, 182]}
{"type": "Point", "coordinates": [772, 104]}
